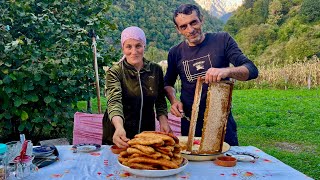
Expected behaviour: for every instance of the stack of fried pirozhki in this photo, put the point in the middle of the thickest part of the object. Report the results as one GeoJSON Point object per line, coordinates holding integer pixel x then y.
{"type": "Point", "coordinates": [152, 150]}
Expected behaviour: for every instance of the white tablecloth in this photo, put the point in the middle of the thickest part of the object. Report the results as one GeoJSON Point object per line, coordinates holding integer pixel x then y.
{"type": "Point", "coordinates": [103, 165]}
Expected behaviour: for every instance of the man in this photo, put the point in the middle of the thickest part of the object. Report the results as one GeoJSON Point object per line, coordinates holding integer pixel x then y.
{"type": "Point", "coordinates": [207, 55]}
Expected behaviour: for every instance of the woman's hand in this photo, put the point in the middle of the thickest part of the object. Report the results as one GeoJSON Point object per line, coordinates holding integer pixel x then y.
{"type": "Point", "coordinates": [119, 137]}
{"type": "Point", "coordinates": [164, 125]}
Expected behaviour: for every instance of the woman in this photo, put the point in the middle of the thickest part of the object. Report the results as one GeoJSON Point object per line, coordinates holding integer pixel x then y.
{"type": "Point", "coordinates": [134, 88]}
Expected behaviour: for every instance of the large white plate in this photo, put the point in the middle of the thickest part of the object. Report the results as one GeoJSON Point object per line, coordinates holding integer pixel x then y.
{"type": "Point", "coordinates": [155, 173]}
{"type": "Point", "coordinates": [201, 157]}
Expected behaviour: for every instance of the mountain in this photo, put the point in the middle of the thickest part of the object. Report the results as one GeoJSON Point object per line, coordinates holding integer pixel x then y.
{"type": "Point", "coordinates": [277, 32]}
{"type": "Point", "coordinates": [220, 8]}
{"type": "Point", "coordinates": [226, 17]}
{"type": "Point", "coordinates": [155, 18]}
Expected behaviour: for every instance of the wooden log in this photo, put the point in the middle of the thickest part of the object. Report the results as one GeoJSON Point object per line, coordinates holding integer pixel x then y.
{"type": "Point", "coordinates": [194, 113]}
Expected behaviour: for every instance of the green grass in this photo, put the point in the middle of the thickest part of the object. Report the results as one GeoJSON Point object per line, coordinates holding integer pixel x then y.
{"type": "Point", "coordinates": [282, 123]}
{"type": "Point", "coordinates": [82, 105]}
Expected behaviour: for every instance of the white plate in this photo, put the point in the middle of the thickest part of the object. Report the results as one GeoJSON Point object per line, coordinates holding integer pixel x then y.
{"type": "Point", "coordinates": [244, 158]}
{"type": "Point", "coordinates": [201, 157]}
{"type": "Point", "coordinates": [155, 173]}
{"type": "Point", "coordinates": [86, 147]}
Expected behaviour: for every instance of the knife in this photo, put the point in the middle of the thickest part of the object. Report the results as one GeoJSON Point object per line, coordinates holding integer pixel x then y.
{"type": "Point", "coordinates": [184, 115]}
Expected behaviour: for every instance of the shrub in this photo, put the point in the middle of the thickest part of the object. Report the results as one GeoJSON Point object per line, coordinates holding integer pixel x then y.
{"type": "Point", "coordinates": [46, 64]}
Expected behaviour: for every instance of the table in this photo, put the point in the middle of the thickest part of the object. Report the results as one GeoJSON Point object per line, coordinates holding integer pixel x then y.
{"type": "Point", "coordinates": [103, 165]}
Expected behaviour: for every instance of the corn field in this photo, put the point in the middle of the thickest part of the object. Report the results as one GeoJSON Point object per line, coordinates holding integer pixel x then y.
{"type": "Point", "coordinates": [297, 75]}
{"type": "Point", "coordinates": [305, 74]}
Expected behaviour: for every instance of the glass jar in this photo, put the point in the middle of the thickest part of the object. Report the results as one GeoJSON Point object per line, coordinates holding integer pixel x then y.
{"type": "Point", "coordinates": [13, 150]}
{"type": "Point", "coordinates": [24, 167]}
{"type": "Point", "coordinates": [3, 163]}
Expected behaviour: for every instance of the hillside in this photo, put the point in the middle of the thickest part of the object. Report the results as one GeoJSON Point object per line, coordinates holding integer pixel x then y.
{"type": "Point", "coordinates": [277, 32]}
{"type": "Point", "coordinates": [155, 18]}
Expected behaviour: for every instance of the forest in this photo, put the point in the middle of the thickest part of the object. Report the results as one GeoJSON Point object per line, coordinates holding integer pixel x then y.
{"type": "Point", "coordinates": [282, 37]}
{"type": "Point", "coordinates": [155, 18]}
{"type": "Point", "coordinates": [277, 32]}
{"type": "Point", "coordinates": [270, 32]}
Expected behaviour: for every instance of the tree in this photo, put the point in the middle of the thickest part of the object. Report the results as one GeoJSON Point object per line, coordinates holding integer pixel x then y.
{"type": "Point", "coordinates": [46, 63]}
{"type": "Point", "coordinates": [252, 12]}
{"type": "Point", "coordinates": [248, 3]}
{"type": "Point", "coordinates": [156, 55]}
{"type": "Point", "coordinates": [310, 10]}
{"type": "Point", "coordinates": [275, 12]}
{"type": "Point", "coordinates": [254, 39]}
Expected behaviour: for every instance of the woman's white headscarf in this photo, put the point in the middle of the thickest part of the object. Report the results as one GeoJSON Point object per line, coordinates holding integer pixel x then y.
{"type": "Point", "coordinates": [132, 32]}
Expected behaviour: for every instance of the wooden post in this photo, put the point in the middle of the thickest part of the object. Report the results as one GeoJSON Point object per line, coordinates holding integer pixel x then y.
{"type": "Point", "coordinates": [285, 81]}
{"type": "Point", "coordinates": [309, 81]}
{"type": "Point", "coordinates": [94, 49]}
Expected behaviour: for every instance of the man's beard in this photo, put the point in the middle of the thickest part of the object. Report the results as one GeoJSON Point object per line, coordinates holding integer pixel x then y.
{"type": "Point", "coordinates": [196, 40]}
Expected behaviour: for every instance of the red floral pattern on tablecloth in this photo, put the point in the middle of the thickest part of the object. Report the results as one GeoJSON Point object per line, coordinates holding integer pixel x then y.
{"type": "Point", "coordinates": [234, 174]}
{"type": "Point", "coordinates": [57, 175]}
{"type": "Point", "coordinates": [267, 160]}
{"type": "Point", "coordinates": [240, 174]}
{"type": "Point", "coordinates": [184, 176]}
{"type": "Point", "coordinates": [106, 162]}
{"type": "Point", "coordinates": [109, 175]}
{"type": "Point", "coordinates": [108, 168]}
{"type": "Point", "coordinates": [248, 174]}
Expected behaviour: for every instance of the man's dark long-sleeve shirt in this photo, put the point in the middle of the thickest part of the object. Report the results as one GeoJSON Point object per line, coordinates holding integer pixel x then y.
{"type": "Point", "coordinates": [217, 50]}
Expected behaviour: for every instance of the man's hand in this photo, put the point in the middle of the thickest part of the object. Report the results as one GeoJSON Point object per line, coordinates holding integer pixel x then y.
{"type": "Point", "coordinates": [164, 125]}
{"type": "Point", "coordinates": [176, 108]}
{"type": "Point", "coordinates": [216, 74]}
{"type": "Point", "coordinates": [240, 73]}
